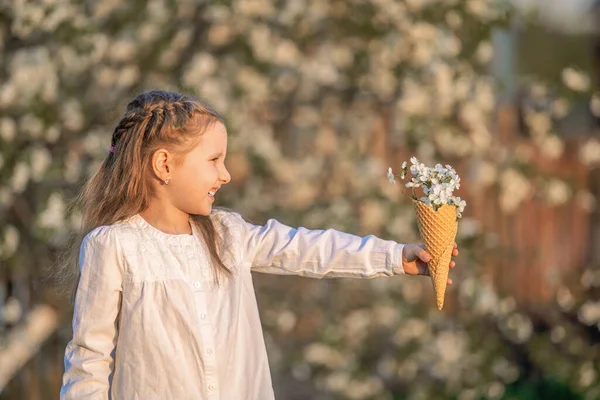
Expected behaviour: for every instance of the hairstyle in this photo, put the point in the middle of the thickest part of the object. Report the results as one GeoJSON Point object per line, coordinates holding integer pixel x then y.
{"type": "Point", "coordinates": [122, 185]}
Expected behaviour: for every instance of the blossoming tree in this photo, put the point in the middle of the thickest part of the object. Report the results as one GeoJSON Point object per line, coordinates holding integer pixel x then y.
{"type": "Point", "coordinates": [307, 88]}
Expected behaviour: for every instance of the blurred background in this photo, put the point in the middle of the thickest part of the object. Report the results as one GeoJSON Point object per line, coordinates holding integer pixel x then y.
{"type": "Point", "coordinates": [320, 97]}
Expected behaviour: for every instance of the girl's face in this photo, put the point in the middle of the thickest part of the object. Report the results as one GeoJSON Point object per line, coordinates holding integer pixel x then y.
{"type": "Point", "coordinates": [201, 173]}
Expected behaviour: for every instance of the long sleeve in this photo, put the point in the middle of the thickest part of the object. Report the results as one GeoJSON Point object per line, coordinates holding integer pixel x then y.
{"type": "Point", "coordinates": [279, 249]}
{"type": "Point", "coordinates": [89, 358]}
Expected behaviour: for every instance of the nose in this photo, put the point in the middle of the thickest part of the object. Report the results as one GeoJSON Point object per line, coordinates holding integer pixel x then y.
{"type": "Point", "coordinates": [225, 176]}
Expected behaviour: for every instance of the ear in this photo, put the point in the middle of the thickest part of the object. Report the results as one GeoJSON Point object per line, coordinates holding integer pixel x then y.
{"type": "Point", "coordinates": [162, 160]}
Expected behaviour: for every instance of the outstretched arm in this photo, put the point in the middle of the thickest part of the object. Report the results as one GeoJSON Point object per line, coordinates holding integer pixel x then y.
{"type": "Point", "coordinates": [279, 249]}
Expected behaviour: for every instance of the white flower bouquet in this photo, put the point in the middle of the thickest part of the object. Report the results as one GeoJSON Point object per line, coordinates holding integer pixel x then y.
{"type": "Point", "coordinates": [437, 183]}
{"type": "Point", "coordinates": [437, 216]}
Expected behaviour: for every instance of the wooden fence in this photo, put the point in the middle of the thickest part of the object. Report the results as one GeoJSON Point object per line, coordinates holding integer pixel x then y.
{"type": "Point", "coordinates": [528, 252]}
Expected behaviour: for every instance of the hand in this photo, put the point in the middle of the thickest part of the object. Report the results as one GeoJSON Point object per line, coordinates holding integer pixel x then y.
{"type": "Point", "coordinates": [415, 259]}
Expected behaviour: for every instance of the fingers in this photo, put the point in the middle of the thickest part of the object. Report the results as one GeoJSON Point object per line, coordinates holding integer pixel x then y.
{"type": "Point", "coordinates": [419, 258]}
{"type": "Point", "coordinates": [426, 257]}
{"type": "Point", "coordinates": [455, 250]}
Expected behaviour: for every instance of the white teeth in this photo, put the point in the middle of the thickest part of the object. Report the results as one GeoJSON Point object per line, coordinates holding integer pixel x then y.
{"type": "Point", "coordinates": [212, 194]}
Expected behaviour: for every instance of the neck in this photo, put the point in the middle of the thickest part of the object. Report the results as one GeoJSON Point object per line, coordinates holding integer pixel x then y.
{"type": "Point", "coordinates": [167, 219]}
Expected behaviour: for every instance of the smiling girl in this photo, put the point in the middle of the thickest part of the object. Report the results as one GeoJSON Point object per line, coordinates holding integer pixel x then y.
{"type": "Point", "coordinates": [164, 303]}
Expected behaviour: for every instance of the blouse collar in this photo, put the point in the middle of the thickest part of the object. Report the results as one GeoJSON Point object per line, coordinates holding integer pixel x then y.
{"type": "Point", "coordinates": [157, 233]}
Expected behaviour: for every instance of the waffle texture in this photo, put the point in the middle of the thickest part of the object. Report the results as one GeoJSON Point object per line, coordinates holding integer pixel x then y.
{"type": "Point", "coordinates": [438, 231]}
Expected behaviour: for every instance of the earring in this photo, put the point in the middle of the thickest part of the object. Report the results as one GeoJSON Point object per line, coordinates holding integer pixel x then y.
{"type": "Point", "coordinates": [166, 181]}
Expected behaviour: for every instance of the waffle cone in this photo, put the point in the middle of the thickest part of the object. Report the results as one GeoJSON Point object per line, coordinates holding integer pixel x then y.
{"type": "Point", "coordinates": [438, 231]}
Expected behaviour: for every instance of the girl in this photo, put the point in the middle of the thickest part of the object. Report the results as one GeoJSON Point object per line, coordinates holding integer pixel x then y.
{"type": "Point", "coordinates": [164, 305]}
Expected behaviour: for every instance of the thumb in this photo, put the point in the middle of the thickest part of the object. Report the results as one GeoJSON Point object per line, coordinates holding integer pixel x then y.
{"type": "Point", "coordinates": [423, 255]}
{"type": "Point", "coordinates": [416, 252]}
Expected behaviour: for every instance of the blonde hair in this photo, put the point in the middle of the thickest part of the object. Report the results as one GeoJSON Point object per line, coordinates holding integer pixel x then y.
{"type": "Point", "coordinates": [121, 187]}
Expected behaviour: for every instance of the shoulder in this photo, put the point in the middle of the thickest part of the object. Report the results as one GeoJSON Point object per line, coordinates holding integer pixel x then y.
{"type": "Point", "coordinates": [101, 254]}
{"type": "Point", "coordinates": [105, 235]}
{"type": "Point", "coordinates": [230, 226]}
{"type": "Point", "coordinates": [227, 218]}
{"type": "Point", "coordinates": [101, 246]}
{"type": "Point", "coordinates": [100, 234]}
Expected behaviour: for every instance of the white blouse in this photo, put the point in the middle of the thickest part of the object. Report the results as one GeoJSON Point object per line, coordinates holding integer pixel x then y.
{"type": "Point", "coordinates": [150, 323]}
